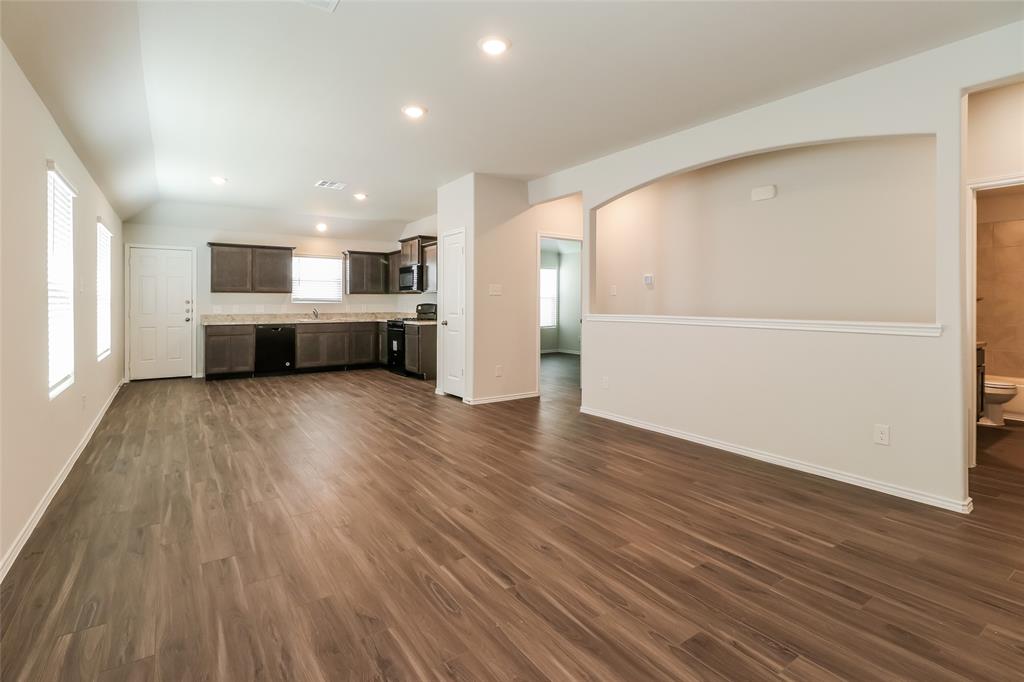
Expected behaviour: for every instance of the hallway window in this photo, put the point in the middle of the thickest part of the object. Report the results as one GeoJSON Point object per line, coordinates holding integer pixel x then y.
{"type": "Point", "coordinates": [60, 281]}
{"type": "Point", "coordinates": [548, 297]}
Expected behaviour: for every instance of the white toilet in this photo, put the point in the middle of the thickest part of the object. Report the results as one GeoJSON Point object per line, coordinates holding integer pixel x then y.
{"type": "Point", "coordinates": [998, 392]}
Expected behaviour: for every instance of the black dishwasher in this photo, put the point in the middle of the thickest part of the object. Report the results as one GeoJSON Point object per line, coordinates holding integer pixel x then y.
{"type": "Point", "coordinates": [275, 348]}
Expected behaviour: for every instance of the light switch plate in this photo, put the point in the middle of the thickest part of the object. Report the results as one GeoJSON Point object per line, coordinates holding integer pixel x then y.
{"type": "Point", "coordinates": [763, 192]}
{"type": "Point", "coordinates": [881, 434]}
{"type": "Point", "coordinates": [614, 291]}
{"type": "Point", "coordinates": [494, 290]}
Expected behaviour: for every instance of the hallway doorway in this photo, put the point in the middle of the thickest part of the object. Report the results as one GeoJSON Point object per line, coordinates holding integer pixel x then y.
{"type": "Point", "coordinates": [560, 313]}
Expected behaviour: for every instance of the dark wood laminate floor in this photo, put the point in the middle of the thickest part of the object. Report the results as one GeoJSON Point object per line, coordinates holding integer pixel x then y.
{"type": "Point", "coordinates": [356, 526]}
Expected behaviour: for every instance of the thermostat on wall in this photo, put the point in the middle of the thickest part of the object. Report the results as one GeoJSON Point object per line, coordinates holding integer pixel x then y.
{"type": "Point", "coordinates": [763, 192]}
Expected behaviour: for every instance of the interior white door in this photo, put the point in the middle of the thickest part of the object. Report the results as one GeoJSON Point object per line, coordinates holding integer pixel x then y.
{"type": "Point", "coordinates": [160, 319]}
{"type": "Point", "coordinates": [453, 312]}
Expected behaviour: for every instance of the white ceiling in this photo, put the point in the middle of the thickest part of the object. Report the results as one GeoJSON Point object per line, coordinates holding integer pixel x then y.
{"type": "Point", "coordinates": [158, 96]}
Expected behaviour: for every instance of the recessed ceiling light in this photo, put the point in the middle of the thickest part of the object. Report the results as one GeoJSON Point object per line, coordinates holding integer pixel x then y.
{"type": "Point", "coordinates": [493, 45]}
{"type": "Point", "coordinates": [218, 180]}
{"type": "Point", "coordinates": [321, 227]}
{"type": "Point", "coordinates": [414, 111]}
{"type": "Point", "coordinates": [360, 196]}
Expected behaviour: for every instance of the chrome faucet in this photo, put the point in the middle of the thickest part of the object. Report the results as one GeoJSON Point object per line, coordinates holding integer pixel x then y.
{"type": "Point", "coordinates": [316, 314]}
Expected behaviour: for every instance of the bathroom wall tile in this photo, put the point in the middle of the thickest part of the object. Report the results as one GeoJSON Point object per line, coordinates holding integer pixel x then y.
{"type": "Point", "coordinates": [1007, 234]}
{"type": "Point", "coordinates": [1004, 363]}
{"type": "Point", "coordinates": [985, 235]}
{"type": "Point", "coordinates": [1008, 260]}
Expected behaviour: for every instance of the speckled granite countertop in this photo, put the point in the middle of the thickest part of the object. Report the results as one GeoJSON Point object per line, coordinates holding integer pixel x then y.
{"type": "Point", "coordinates": [297, 318]}
{"type": "Point", "coordinates": [422, 323]}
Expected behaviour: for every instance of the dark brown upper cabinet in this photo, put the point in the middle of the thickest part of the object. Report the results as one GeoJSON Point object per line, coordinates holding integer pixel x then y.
{"type": "Point", "coordinates": [250, 268]}
{"type": "Point", "coordinates": [430, 268]}
{"type": "Point", "coordinates": [412, 249]}
{"type": "Point", "coordinates": [366, 272]}
{"type": "Point", "coordinates": [230, 268]}
{"type": "Point", "coordinates": [394, 264]}
{"type": "Point", "coordinates": [272, 270]}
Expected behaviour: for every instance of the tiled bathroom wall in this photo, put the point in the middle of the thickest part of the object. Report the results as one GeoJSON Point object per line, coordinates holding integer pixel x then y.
{"type": "Point", "coordinates": [1001, 281]}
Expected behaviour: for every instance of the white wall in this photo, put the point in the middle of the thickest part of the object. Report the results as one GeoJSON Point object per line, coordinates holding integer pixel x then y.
{"type": "Point", "coordinates": [41, 437]}
{"type": "Point", "coordinates": [849, 236]}
{"type": "Point", "coordinates": [505, 253]}
{"type": "Point", "coordinates": [808, 399]}
{"type": "Point", "coordinates": [569, 302]}
{"type": "Point", "coordinates": [240, 303]}
{"type": "Point", "coordinates": [424, 226]}
{"type": "Point", "coordinates": [995, 133]}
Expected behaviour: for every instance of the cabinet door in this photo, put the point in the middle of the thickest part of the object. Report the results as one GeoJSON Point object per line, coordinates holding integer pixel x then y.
{"type": "Point", "coordinates": [410, 252]}
{"type": "Point", "coordinates": [376, 274]}
{"type": "Point", "coordinates": [394, 263]}
{"type": "Point", "coordinates": [230, 268]}
{"type": "Point", "coordinates": [243, 352]}
{"type": "Point", "coordinates": [355, 273]}
{"type": "Point", "coordinates": [309, 349]}
{"type": "Point", "coordinates": [412, 351]}
{"type": "Point", "coordinates": [363, 344]}
{"type": "Point", "coordinates": [382, 343]}
{"type": "Point", "coordinates": [272, 270]}
{"type": "Point", "coordinates": [336, 348]}
{"type": "Point", "coordinates": [218, 355]}
{"type": "Point", "coordinates": [430, 267]}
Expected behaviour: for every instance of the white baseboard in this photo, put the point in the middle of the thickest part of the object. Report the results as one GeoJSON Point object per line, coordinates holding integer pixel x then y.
{"type": "Point", "coordinates": [500, 398]}
{"type": "Point", "coordinates": [30, 525]}
{"type": "Point", "coordinates": [963, 506]}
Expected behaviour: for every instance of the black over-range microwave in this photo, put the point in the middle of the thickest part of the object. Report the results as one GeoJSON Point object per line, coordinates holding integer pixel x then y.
{"type": "Point", "coordinates": [410, 278]}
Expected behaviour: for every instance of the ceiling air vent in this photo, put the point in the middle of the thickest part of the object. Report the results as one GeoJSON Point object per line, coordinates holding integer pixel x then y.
{"type": "Point", "coordinates": [330, 184]}
{"type": "Point", "coordinates": [326, 5]}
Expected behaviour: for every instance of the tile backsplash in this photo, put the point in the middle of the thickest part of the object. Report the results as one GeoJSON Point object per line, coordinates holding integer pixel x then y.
{"type": "Point", "coordinates": [1001, 288]}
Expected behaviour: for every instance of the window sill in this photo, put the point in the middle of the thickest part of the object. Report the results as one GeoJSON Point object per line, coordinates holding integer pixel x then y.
{"type": "Point", "coordinates": [61, 386]}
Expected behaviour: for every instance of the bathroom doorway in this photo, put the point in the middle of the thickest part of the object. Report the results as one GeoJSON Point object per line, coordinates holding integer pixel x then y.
{"type": "Point", "coordinates": [560, 318]}
{"type": "Point", "coordinates": [998, 219]}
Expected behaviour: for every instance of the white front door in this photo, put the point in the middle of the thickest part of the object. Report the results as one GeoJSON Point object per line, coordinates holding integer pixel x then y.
{"type": "Point", "coordinates": [160, 319]}
{"type": "Point", "coordinates": [453, 312]}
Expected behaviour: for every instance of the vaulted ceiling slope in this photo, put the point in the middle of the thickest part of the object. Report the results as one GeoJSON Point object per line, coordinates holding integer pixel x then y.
{"type": "Point", "coordinates": [158, 96]}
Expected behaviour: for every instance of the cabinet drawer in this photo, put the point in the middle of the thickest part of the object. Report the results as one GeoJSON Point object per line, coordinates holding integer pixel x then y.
{"type": "Point", "coordinates": [322, 327]}
{"type": "Point", "coordinates": [229, 329]}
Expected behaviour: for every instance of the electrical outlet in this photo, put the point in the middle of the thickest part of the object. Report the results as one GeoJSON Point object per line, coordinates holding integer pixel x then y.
{"type": "Point", "coordinates": [649, 281]}
{"type": "Point", "coordinates": [881, 434]}
{"type": "Point", "coordinates": [604, 382]}
{"type": "Point", "coordinates": [614, 291]}
{"type": "Point", "coordinates": [497, 370]}
{"type": "Point", "coordinates": [494, 290]}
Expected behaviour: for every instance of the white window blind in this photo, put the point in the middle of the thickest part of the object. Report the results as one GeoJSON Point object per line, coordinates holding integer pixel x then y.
{"type": "Point", "coordinates": [60, 281]}
{"type": "Point", "coordinates": [548, 297]}
{"type": "Point", "coordinates": [317, 278]}
{"type": "Point", "coordinates": [103, 299]}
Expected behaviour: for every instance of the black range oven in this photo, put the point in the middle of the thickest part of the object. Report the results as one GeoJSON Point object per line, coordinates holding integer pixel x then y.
{"type": "Point", "coordinates": [410, 278]}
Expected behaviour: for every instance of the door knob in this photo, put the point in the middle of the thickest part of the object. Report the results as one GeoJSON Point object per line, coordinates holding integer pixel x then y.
{"type": "Point", "coordinates": [444, 323]}
{"type": "Point", "coordinates": [188, 319]}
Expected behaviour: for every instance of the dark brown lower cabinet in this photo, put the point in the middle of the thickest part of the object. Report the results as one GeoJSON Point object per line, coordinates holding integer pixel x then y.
{"type": "Point", "coordinates": [421, 350]}
{"type": "Point", "coordinates": [335, 344]}
{"type": "Point", "coordinates": [230, 349]}
{"type": "Point", "coordinates": [382, 343]}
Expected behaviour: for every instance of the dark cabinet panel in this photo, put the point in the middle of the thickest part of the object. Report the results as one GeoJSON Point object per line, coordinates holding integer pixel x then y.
{"type": "Point", "coordinates": [366, 273]}
{"type": "Point", "coordinates": [382, 343]}
{"type": "Point", "coordinates": [230, 268]}
{"type": "Point", "coordinates": [430, 267]}
{"type": "Point", "coordinates": [363, 343]}
{"type": "Point", "coordinates": [309, 350]}
{"type": "Point", "coordinates": [394, 264]}
{"type": "Point", "coordinates": [336, 348]}
{"type": "Point", "coordinates": [421, 350]}
{"type": "Point", "coordinates": [410, 252]}
{"type": "Point", "coordinates": [272, 270]}
{"type": "Point", "coordinates": [229, 349]}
